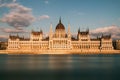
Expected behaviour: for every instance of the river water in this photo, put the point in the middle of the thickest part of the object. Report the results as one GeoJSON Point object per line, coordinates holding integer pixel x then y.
{"type": "Point", "coordinates": [59, 67]}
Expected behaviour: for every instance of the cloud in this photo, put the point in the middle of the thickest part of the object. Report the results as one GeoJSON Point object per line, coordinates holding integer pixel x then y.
{"type": "Point", "coordinates": [8, 30]}
{"type": "Point", "coordinates": [19, 16]}
{"type": "Point", "coordinates": [4, 36]}
{"type": "Point", "coordinates": [46, 2]}
{"type": "Point", "coordinates": [3, 3]}
{"type": "Point", "coordinates": [113, 30]}
{"type": "Point", "coordinates": [44, 17]}
{"type": "Point", "coordinates": [14, 1]}
{"type": "Point", "coordinates": [81, 13]}
{"type": "Point", "coordinates": [118, 19]}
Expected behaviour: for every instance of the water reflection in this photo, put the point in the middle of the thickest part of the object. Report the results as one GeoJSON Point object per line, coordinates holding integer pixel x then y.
{"type": "Point", "coordinates": [60, 62]}
{"type": "Point", "coordinates": [56, 62]}
{"type": "Point", "coordinates": [71, 66]}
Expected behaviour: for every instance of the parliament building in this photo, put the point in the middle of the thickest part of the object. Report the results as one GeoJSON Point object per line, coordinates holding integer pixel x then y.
{"type": "Point", "coordinates": [60, 40]}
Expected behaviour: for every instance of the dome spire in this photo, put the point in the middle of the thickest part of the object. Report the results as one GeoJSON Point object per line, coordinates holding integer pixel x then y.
{"type": "Point", "coordinates": [60, 20]}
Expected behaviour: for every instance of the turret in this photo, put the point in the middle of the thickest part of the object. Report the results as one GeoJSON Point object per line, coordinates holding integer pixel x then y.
{"type": "Point", "coordinates": [36, 35]}
{"type": "Point", "coordinates": [83, 35]}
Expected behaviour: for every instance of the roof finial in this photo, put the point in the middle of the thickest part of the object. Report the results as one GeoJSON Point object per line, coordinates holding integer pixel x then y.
{"type": "Point", "coordinates": [87, 30]}
{"type": "Point", "coordinates": [60, 20]}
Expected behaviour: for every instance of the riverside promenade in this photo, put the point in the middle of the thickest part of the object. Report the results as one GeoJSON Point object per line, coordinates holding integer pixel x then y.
{"type": "Point", "coordinates": [35, 52]}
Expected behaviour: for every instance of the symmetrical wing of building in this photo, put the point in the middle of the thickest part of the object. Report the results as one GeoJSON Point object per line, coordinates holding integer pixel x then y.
{"type": "Point", "coordinates": [60, 40]}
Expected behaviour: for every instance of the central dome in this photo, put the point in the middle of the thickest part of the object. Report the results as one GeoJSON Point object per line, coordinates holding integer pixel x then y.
{"type": "Point", "coordinates": [60, 25]}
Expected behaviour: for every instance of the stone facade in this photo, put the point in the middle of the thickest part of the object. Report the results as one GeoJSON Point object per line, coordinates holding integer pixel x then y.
{"type": "Point", "coordinates": [118, 44]}
{"type": "Point", "coordinates": [60, 40]}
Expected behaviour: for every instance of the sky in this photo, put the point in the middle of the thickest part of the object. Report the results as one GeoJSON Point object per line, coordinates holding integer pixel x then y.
{"type": "Point", "coordinates": [22, 16]}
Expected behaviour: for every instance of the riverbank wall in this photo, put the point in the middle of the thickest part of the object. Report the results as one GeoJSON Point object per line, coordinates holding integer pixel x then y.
{"type": "Point", "coordinates": [34, 52]}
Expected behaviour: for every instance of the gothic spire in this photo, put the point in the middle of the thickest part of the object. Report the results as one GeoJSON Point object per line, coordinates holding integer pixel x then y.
{"type": "Point", "coordinates": [51, 32]}
{"type": "Point", "coordinates": [79, 30]}
{"type": "Point", "coordinates": [102, 35]}
{"type": "Point", "coordinates": [17, 35]}
{"type": "Point", "coordinates": [69, 33]}
{"type": "Point", "coordinates": [51, 28]}
{"type": "Point", "coordinates": [88, 30]}
{"type": "Point", "coordinates": [32, 30]}
{"type": "Point", "coordinates": [41, 31]}
{"type": "Point", "coordinates": [68, 28]}
{"type": "Point", "coordinates": [9, 35]}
